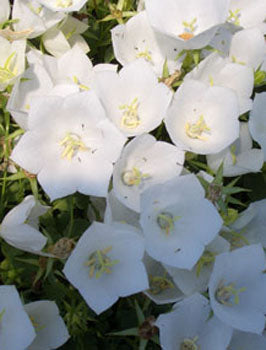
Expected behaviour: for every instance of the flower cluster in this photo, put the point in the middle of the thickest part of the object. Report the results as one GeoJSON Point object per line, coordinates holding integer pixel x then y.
{"type": "Point", "coordinates": [125, 137]}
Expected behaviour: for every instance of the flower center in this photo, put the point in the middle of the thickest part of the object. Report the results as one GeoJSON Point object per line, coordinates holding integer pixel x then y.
{"type": "Point", "coordinates": [72, 144]}
{"type": "Point", "coordinates": [194, 130]}
{"type": "Point", "coordinates": [166, 221]}
{"type": "Point", "coordinates": [6, 73]}
{"type": "Point", "coordinates": [130, 118]}
{"type": "Point", "coordinates": [100, 263]}
{"type": "Point", "coordinates": [81, 86]}
{"type": "Point", "coordinates": [64, 3]}
{"type": "Point", "coordinates": [159, 283]}
{"type": "Point", "coordinates": [228, 294]}
{"type": "Point", "coordinates": [133, 177]}
{"type": "Point", "coordinates": [189, 344]}
{"type": "Point", "coordinates": [234, 16]}
{"type": "Point", "coordinates": [146, 54]}
{"type": "Point", "coordinates": [35, 324]}
{"type": "Point", "coordinates": [189, 29]}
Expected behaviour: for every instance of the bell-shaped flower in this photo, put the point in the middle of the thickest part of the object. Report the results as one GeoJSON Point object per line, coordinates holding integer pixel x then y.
{"type": "Point", "coordinates": [257, 121]}
{"type": "Point", "coordinates": [245, 340]}
{"type": "Point", "coordinates": [106, 264]}
{"type": "Point", "coordinates": [191, 23]}
{"type": "Point", "coordinates": [189, 327]}
{"type": "Point", "coordinates": [4, 11]}
{"type": "Point", "coordinates": [177, 221]}
{"type": "Point", "coordinates": [51, 331]}
{"type": "Point", "coordinates": [249, 226]}
{"type": "Point", "coordinates": [19, 227]}
{"type": "Point", "coordinates": [162, 288]}
{"type": "Point", "coordinates": [203, 119]}
{"type": "Point", "coordinates": [12, 61]}
{"type": "Point", "coordinates": [116, 211]}
{"type": "Point", "coordinates": [239, 158]}
{"type": "Point", "coordinates": [48, 75]}
{"type": "Point", "coordinates": [196, 280]}
{"type": "Point", "coordinates": [33, 16]}
{"type": "Point", "coordinates": [80, 73]}
{"type": "Point", "coordinates": [137, 103]}
{"type": "Point", "coordinates": [136, 39]}
{"type": "Point", "coordinates": [68, 145]}
{"type": "Point", "coordinates": [35, 82]}
{"type": "Point", "coordinates": [247, 14]}
{"type": "Point", "coordinates": [63, 5]}
{"type": "Point", "coordinates": [143, 163]}
{"type": "Point", "coordinates": [17, 331]}
{"type": "Point", "coordinates": [254, 56]}
{"type": "Point", "coordinates": [237, 288]}
{"type": "Point", "coordinates": [59, 39]}
{"type": "Point", "coordinates": [217, 71]}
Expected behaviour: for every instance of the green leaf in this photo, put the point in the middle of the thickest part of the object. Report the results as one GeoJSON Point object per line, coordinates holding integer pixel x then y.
{"type": "Point", "coordinates": [142, 344]}
{"type": "Point", "coordinates": [130, 331]}
{"type": "Point", "coordinates": [18, 176]}
{"type": "Point", "coordinates": [14, 134]}
{"type": "Point", "coordinates": [233, 190]}
{"type": "Point", "coordinates": [140, 315]}
{"type": "Point", "coordinates": [165, 69]}
{"type": "Point", "coordinates": [235, 201]}
{"type": "Point", "coordinates": [49, 267]}
{"type": "Point", "coordinates": [259, 77]}
{"type": "Point", "coordinates": [155, 339]}
{"type": "Point", "coordinates": [219, 175]}
{"type": "Point", "coordinates": [33, 262]}
{"type": "Point", "coordinates": [205, 184]}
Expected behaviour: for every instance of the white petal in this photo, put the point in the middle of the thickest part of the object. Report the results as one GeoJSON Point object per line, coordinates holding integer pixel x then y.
{"type": "Point", "coordinates": [51, 331]}
{"type": "Point", "coordinates": [15, 321]}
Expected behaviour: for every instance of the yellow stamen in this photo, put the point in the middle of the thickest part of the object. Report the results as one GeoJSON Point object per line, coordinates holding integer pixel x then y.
{"type": "Point", "coordinates": [234, 16]}
{"type": "Point", "coordinates": [224, 293]}
{"type": "Point", "coordinates": [81, 86]}
{"type": "Point", "coordinates": [35, 324]}
{"type": "Point", "coordinates": [130, 118]}
{"type": "Point", "coordinates": [100, 263]}
{"type": "Point", "coordinates": [190, 28]}
{"type": "Point", "coordinates": [133, 177]}
{"type": "Point", "coordinates": [195, 130]}
{"type": "Point", "coordinates": [72, 144]}
{"type": "Point", "coordinates": [159, 283]}
{"type": "Point", "coordinates": [6, 72]}
{"type": "Point", "coordinates": [189, 344]}
{"type": "Point", "coordinates": [166, 221]}
{"type": "Point", "coordinates": [145, 54]}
